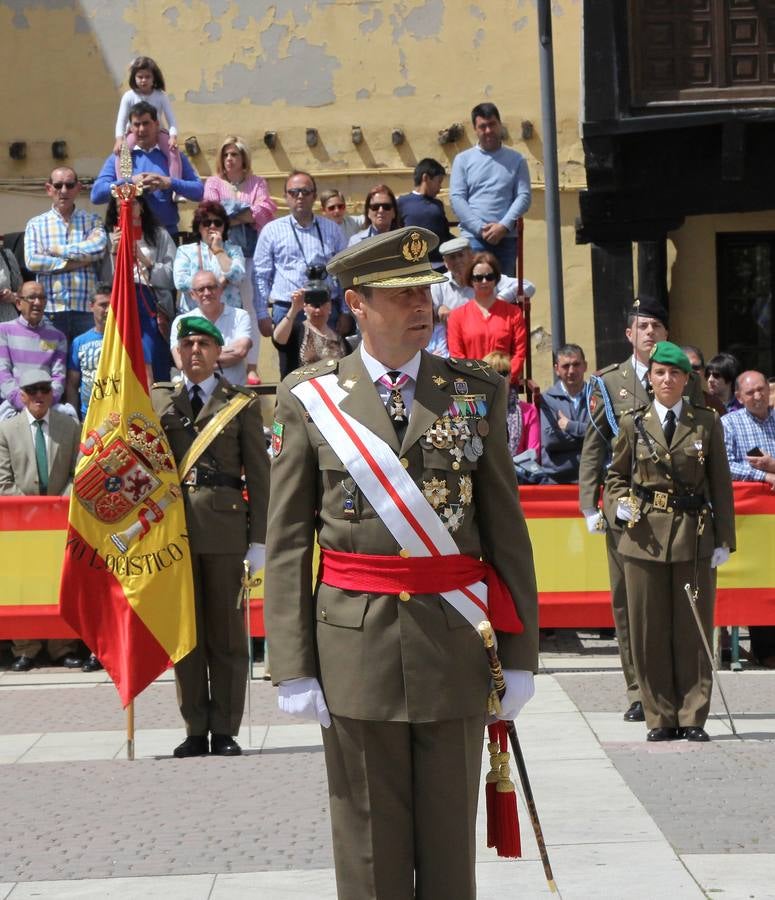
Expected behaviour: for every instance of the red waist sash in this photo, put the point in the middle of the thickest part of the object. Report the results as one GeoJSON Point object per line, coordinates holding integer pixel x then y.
{"type": "Point", "coordinates": [420, 575]}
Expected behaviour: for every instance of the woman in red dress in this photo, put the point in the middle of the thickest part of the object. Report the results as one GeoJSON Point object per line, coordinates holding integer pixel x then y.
{"type": "Point", "coordinates": [486, 324]}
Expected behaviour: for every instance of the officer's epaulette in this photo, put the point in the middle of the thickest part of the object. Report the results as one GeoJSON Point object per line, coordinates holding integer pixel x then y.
{"type": "Point", "coordinates": [323, 367]}
{"type": "Point", "coordinates": [241, 389]}
{"type": "Point", "coordinates": [166, 385]}
{"type": "Point", "coordinates": [606, 369]}
{"type": "Point", "coordinates": [476, 367]}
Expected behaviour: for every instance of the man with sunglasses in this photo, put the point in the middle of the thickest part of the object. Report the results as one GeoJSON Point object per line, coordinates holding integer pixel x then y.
{"type": "Point", "coordinates": [64, 247]}
{"type": "Point", "coordinates": [38, 450]}
{"type": "Point", "coordinates": [286, 252]}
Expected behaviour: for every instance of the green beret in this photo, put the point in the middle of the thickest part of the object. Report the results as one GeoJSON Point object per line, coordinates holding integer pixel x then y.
{"type": "Point", "coordinates": [670, 354]}
{"type": "Point", "coordinates": [189, 325]}
{"type": "Point", "coordinates": [395, 259]}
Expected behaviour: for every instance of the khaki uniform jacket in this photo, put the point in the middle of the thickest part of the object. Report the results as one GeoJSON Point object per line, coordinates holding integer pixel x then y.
{"type": "Point", "coordinates": [379, 658]}
{"type": "Point", "coordinates": [218, 518]}
{"type": "Point", "coordinates": [626, 392]}
{"type": "Point", "coordinates": [697, 459]}
{"type": "Point", "coordinates": [18, 467]}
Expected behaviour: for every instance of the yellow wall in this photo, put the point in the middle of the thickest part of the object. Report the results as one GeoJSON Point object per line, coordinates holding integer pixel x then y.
{"type": "Point", "coordinates": [693, 290]}
{"type": "Point", "coordinates": [246, 66]}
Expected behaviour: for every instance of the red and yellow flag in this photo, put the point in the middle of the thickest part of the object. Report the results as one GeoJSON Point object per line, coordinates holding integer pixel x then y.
{"type": "Point", "coordinates": [126, 585]}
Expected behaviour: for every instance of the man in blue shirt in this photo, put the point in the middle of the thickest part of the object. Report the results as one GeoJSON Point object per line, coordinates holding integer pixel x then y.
{"type": "Point", "coordinates": [490, 189]}
{"type": "Point", "coordinates": [422, 207]}
{"type": "Point", "coordinates": [151, 169]}
{"type": "Point", "coordinates": [84, 355]}
{"type": "Point", "coordinates": [564, 417]}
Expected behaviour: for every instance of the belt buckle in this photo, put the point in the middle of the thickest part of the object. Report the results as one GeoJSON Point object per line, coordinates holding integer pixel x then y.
{"type": "Point", "coordinates": [190, 478]}
{"type": "Point", "coordinates": [660, 499]}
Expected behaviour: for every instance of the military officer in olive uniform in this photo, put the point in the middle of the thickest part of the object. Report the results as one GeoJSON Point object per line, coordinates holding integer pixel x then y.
{"type": "Point", "coordinates": [222, 529]}
{"type": "Point", "coordinates": [615, 390]}
{"type": "Point", "coordinates": [396, 674]}
{"type": "Point", "coordinates": [669, 484]}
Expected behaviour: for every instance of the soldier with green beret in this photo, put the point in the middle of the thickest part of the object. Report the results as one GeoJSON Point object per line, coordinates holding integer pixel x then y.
{"type": "Point", "coordinates": [397, 460]}
{"type": "Point", "coordinates": [669, 490]}
{"type": "Point", "coordinates": [216, 434]}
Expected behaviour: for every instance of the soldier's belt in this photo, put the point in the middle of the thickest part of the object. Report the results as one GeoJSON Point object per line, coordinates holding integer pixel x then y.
{"type": "Point", "coordinates": [667, 501]}
{"type": "Point", "coordinates": [202, 478]}
{"type": "Point", "coordinates": [407, 575]}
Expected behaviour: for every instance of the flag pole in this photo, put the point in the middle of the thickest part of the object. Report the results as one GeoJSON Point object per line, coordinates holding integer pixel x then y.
{"type": "Point", "coordinates": [130, 730]}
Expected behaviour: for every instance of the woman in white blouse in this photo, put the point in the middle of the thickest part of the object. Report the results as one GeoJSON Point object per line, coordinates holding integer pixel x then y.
{"type": "Point", "coordinates": [154, 286]}
{"type": "Point", "coordinates": [213, 252]}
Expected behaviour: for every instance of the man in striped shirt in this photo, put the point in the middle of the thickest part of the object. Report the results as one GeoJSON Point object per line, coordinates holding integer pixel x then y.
{"type": "Point", "coordinates": [30, 343]}
{"type": "Point", "coordinates": [64, 247]}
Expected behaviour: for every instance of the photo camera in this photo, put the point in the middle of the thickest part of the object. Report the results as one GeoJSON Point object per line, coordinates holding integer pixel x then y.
{"type": "Point", "coordinates": [316, 291]}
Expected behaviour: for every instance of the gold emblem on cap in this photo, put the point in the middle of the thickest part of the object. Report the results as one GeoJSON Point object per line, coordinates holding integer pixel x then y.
{"type": "Point", "coordinates": [414, 248]}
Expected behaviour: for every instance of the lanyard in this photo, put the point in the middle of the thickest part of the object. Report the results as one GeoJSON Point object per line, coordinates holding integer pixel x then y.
{"type": "Point", "coordinates": [301, 249]}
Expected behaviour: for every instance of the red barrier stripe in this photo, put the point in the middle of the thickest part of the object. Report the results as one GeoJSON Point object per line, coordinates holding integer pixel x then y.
{"type": "Point", "coordinates": [33, 513]}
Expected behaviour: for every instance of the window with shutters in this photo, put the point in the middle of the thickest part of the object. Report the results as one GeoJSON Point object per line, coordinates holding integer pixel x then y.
{"type": "Point", "coordinates": [702, 51]}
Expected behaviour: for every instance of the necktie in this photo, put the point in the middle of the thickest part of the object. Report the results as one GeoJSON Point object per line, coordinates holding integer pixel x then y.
{"type": "Point", "coordinates": [669, 426]}
{"type": "Point", "coordinates": [396, 407]}
{"type": "Point", "coordinates": [196, 399]}
{"type": "Point", "coordinates": [41, 457]}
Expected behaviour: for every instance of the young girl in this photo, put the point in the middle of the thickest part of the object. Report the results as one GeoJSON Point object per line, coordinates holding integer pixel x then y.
{"type": "Point", "coordinates": [147, 83]}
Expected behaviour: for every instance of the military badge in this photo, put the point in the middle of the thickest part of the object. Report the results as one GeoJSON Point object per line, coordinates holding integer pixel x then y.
{"type": "Point", "coordinates": [414, 248]}
{"type": "Point", "coordinates": [277, 437]}
{"type": "Point", "coordinates": [465, 490]}
{"type": "Point", "coordinates": [435, 491]}
{"type": "Point", "coordinates": [700, 454]}
{"type": "Point", "coordinates": [452, 517]}
{"type": "Point", "coordinates": [592, 403]}
{"type": "Point", "coordinates": [461, 387]}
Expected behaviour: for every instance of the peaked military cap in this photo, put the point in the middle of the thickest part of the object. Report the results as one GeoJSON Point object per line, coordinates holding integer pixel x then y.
{"type": "Point", "coordinates": [189, 325]}
{"type": "Point", "coordinates": [670, 354]}
{"type": "Point", "coordinates": [396, 259]}
{"type": "Point", "coordinates": [649, 308]}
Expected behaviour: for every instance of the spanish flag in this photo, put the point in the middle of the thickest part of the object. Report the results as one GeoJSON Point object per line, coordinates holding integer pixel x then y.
{"type": "Point", "coordinates": [126, 586]}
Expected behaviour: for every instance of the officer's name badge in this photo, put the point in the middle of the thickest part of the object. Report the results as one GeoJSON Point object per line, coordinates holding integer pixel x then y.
{"type": "Point", "coordinates": [277, 437]}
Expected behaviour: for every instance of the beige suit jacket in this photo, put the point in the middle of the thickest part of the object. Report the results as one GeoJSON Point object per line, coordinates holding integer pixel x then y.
{"type": "Point", "coordinates": [379, 658]}
{"type": "Point", "coordinates": [18, 467]}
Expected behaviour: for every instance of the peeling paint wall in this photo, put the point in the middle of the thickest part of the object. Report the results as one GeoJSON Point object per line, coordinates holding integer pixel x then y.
{"type": "Point", "coordinates": [248, 66]}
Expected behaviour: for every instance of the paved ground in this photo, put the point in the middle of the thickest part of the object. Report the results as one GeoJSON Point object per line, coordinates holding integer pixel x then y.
{"type": "Point", "coordinates": [622, 818]}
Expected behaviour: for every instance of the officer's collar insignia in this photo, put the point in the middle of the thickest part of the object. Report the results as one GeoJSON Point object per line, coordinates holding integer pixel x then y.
{"type": "Point", "coordinates": [439, 381]}
{"type": "Point", "coordinates": [349, 384]}
{"type": "Point", "coordinates": [414, 247]}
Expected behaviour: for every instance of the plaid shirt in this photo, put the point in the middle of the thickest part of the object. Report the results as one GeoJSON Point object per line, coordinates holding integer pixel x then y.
{"type": "Point", "coordinates": [743, 432]}
{"type": "Point", "coordinates": [83, 239]}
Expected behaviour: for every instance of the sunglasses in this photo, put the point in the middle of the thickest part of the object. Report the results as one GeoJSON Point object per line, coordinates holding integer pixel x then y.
{"type": "Point", "coordinates": [331, 207]}
{"type": "Point", "coordinates": [488, 276]}
{"type": "Point", "coordinates": [299, 192]}
{"type": "Point", "coordinates": [68, 185]}
{"type": "Point", "coordinates": [42, 388]}
{"type": "Point", "coordinates": [216, 223]}
{"type": "Point", "coordinates": [377, 206]}
{"type": "Point", "coordinates": [697, 368]}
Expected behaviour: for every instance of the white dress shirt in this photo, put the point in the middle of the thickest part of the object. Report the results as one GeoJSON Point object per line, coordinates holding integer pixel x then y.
{"type": "Point", "coordinates": [31, 420]}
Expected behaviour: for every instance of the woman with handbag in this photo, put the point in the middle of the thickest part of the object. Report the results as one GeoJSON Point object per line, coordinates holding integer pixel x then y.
{"type": "Point", "coordinates": [154, 255]}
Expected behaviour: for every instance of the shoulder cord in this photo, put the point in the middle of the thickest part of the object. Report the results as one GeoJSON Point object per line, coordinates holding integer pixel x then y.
{"type": "Point", "coordinates": [596, 380]}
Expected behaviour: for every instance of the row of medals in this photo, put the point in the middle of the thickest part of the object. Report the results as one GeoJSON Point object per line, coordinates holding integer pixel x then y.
{"type": "Point", "coordinates": [461, 430]}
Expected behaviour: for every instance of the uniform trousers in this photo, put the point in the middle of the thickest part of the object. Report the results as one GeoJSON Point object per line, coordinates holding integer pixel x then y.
{"type": "Point", "coordinates": [671, 664]}
{"type": "Point", "coordinates": [621, 615]}
{"type": "Point", "coordinates": [57, 648]}
{"type": "Point", "coordinates": [211, 679]}
{"type": "Point", "coordinates": [403, 807]}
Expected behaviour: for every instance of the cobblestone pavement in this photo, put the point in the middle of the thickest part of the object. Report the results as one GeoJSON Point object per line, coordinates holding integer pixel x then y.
{"type": "Point", "coordinates": [622, 818]}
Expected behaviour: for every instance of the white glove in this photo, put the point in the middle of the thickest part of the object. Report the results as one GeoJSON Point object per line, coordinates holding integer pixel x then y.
{"type": "Point", "coordinates": [595, 522]}
{"type": "Point", "coordinates": [303, 698]}
{"type": "Point", "coordinates": [256, 557]}
{"type": "Point", "coordinates": [624, 511]}
{"type": "Point", "coordinates": [720, 556]}
{"type": "Point", "coordinates": [520, 687]}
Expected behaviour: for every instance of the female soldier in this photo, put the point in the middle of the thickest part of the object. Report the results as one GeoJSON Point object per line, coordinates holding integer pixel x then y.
{"type": "Point", "coordinates": [669, 481]}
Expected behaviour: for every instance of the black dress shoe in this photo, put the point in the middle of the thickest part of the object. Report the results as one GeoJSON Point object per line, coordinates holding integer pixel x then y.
{"type": "Point", "coordinates": [662, 734]}
{"type": "Point", "coordinates": [224, 745]}
{"type": "Point", "coordinates": [70, 662]}
{"type": "Point", "coordinates": [635, 713]}
{"type": "Point", "coordinates": [693, 733]}
{"type": "Point", "coordinates": [22, 664]}
{"type": "Point", "coordinates": [194, 745]}
{"type": "Point", "coordinates": [92, 664]}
